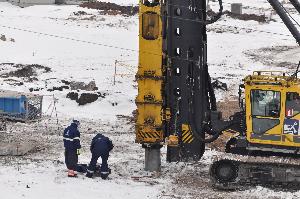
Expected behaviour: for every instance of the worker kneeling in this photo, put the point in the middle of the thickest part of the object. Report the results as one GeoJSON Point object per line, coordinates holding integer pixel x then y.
{"type": "Point", "coordinates": [100, 147]}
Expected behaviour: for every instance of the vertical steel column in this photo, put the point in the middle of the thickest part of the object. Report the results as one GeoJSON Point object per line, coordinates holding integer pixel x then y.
{"type": "Point", "coordinates": [186, 73]}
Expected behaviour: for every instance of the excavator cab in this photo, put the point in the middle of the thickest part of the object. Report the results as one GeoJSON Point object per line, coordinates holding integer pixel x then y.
{"type": "Point", "coordinates": [272, 110]}
{"type": "Point", "coordinates": [272, 116]}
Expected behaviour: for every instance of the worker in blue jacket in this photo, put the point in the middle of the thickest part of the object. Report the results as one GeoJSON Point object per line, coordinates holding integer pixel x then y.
{"type": "Point", "coordinates": [100, 147]}
{"type": "Point", "coordinates": [72, 147]}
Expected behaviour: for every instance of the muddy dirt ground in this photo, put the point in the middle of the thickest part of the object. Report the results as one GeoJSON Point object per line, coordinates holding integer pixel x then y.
{"type": "Point", "coordinates": [111, 8]}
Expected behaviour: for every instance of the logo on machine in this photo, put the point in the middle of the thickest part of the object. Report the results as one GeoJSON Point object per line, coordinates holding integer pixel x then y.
{"type": "Point", "coordinates": [291, 127]}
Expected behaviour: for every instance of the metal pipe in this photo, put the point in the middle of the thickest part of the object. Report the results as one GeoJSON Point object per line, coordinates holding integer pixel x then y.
{"type": "Point", "coordinates": [296, 4]}
{"type": "Point", "coordinates": [286, 19]}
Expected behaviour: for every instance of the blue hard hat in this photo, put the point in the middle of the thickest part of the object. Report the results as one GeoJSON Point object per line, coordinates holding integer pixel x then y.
{"type": "Point", "coordinates": [76, 122]}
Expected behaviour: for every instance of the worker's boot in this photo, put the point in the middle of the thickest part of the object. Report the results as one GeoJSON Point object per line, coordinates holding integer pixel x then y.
{"type": "Point", "coordinates": [71, 173]}
{"type": "Point", "coordinates": [89, 174]}
{"type": "Point", "coordinates": [81, 168]}
{"type": "Point", "coordinates": [104, 175]}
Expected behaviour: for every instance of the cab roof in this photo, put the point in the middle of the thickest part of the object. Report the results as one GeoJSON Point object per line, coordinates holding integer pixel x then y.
{"type": "Point", "coordinates": [271, 78]}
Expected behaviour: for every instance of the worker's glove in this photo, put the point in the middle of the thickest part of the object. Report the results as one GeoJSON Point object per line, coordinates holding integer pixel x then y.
{"type": "Point", "coordinates": [78, 151]}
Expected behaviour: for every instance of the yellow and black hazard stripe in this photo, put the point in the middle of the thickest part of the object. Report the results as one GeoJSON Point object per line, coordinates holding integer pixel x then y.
{"type": "Point", "coordinates": [155, 135]}
{"type": "Point", "coordinates": [187, 135]}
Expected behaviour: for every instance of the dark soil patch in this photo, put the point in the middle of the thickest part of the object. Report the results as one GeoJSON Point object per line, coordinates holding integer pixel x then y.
{"type": "Point", "coordinates": [11, 64]}
{"type": "Point", "coordinates": [37, 66]}
{"type": "Point", "coordinates": [244, 17]}
{"type": "Point", "coordinates": [111, 8]}
{"type": "Point", "coordinates": [2, 38]}
{"type": "Point", "coordinates": [72, 96]}
{"type": "Point", "coordinates": [86, 98]}
{"type": "Point", "coordinates": [13, 82]}
{"type": "Point", "coordinates": [58, 88]}
{"type": "Point", "coordinates": [25, 71]}
{"type": "Point", "coordinates": [79, 13]}
{"type": "Point", "coordinates": [65, 82]}
{"type": "Point", "coordinates": [228, 108]}
{"type": "Point", "coordinates": [269, 56]}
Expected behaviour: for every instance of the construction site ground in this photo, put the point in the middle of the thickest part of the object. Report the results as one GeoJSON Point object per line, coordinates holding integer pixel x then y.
{"type": "Point", "coordinates": [45, 47]}
{"type": "Point", "coordinates": [42, 171]}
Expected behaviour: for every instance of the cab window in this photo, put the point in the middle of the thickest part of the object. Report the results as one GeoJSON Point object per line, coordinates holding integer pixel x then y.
{"type": "Point", "coordinates": [150, 25]}
{"type": "Point", "coordinates": [292, 104]}
{"type": "Point", "coordinates": [150, 3]}
{"type": "Point", "coordinates": [265, 103]}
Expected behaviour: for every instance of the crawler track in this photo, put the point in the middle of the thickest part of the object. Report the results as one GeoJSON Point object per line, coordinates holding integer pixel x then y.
{"type": "Point", "coordinates": [231, 171]}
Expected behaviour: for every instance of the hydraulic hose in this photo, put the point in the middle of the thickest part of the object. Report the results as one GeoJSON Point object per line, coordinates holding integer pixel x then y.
{"type": "Point", "coordinates": [198, 134]}
{"type": "Point", "coordinates": [203, 139]}
{"type": "Point", "coordinates": [215, 135]}
{"type": "Point", "coordinates": [205, 128]}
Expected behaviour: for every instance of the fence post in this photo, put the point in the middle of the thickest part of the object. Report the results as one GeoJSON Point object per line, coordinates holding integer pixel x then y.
{"type": "Point", "coordinates": [116, 61]}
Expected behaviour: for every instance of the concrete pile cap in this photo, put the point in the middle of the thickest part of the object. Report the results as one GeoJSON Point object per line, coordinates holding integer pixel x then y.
{"type": "Point", "coordinates": [16, 94]}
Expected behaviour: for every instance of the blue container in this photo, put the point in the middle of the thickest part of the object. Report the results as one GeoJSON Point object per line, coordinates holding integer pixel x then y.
{"type": "Point", "coordinates": [13, 105]}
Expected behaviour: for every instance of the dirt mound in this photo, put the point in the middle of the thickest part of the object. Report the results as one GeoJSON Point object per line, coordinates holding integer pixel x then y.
{"type": "Point", "coordinates": [58, 88]}
{"type": "Point", "coordinates": [25, 71]}
{"type": "Point", "coordinates": [37, 66]}
{"type": "Point", "coordinates": [72, 96]}
{"type": "Point", "coordinates": [111, 8]}
{"type": "Point", "coordinates": [228, 108]}
{"type": "Point", "coordinates": [244, 17]}
{"type": "Point", "coordinates": [91, 86]}
{"type": "Point", "coordinates": [86, 98]}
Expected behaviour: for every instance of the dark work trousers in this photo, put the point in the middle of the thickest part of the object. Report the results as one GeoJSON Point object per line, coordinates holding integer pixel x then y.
{"type": "Point", "coordinates": [71, 159]}
{"type": "Point", "coordinates": [104, 165]}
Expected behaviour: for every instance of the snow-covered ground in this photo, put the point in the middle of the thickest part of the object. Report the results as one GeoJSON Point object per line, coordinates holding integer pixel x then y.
{"type": "Point", "coordinates": [74, 60]}
{"type": "Point", "coordinates": [86, 47]}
